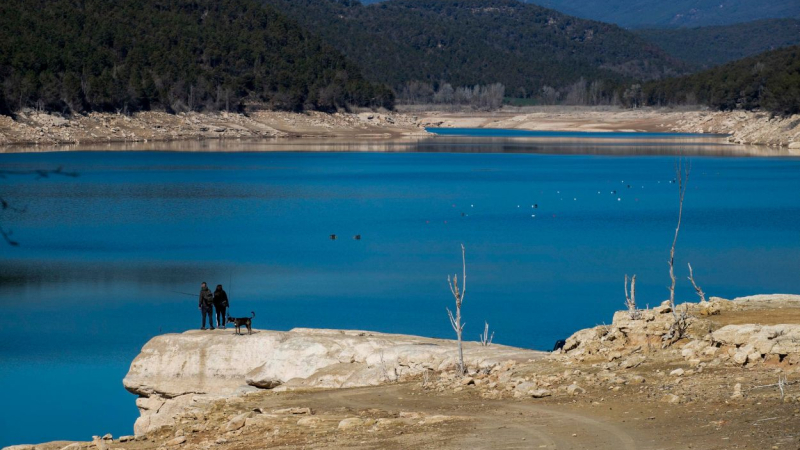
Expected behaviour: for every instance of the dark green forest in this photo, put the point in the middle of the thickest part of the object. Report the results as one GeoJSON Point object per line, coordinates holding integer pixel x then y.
{"type": "Point", "coordinates": [469, 42]}
{"type": "Point", "coordinates": [175, 55]}
{"type": "Point", "coordinates": [706, 47]}
{"type": "Point", "coordinates": [770, 81]}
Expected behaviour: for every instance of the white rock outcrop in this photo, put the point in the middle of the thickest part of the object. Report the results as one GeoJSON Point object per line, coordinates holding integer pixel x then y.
{"type": "Point", "coordinates": [173, 371]}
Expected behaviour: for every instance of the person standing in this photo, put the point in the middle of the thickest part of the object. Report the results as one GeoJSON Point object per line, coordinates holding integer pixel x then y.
{"type": "Point", "coordinates": [220, 305]}
{"type": "Point", "coordinates": [206, 305]}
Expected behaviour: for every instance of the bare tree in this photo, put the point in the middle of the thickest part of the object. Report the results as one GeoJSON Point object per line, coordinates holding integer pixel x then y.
{"type": "Point", "coordinates": [455, 321]}
{"type": "Point", "coordinates": [6, 206]}
{"type": "Point", "coordinates": [630, 298]}
{"type": "Point", "coordinates": [682, 178]}
{"type": "Point", "coordinates": [486, 338]}
{"type": "Point", "coordinates": [697, 288]}
{"type": "Point", "coordinates": [681, 320]}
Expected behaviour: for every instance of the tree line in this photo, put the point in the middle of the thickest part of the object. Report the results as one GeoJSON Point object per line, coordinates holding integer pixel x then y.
{"type": "Point", "coordinates": [769, 81]}
{"type": "Point", "coordinates": [183, 55]}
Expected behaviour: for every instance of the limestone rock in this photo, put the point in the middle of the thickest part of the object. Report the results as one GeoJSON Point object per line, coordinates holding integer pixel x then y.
{"type": "Point", "coordinates": [574, 389]}
{"type": "Point", "coordinates": [238, 421]}
{"type": "Point", "coordinates": [174, 370]}
{"type": "Point", "coordinates": [677, 373]}
{"type": "Point", "coordinates": [541, 393]}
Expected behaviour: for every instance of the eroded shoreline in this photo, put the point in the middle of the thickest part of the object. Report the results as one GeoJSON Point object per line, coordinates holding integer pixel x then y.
{"type": "Point", "coordinates": [31, 131]}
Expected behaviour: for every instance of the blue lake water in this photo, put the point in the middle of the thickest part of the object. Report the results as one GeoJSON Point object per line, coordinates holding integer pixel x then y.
{"type": "Point", "coordinates": [105, 259]}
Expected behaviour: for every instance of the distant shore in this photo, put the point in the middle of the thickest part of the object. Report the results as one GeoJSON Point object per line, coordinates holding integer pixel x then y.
{"type": "Point", "coordinates": [31, 130]}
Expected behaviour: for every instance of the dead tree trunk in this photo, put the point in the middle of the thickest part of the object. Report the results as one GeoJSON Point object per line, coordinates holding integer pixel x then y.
{"type": "Point", "coordinates": [681, 321]}
{"type": "Point", "coordinates": [630, 298]}
{"type": "Point", "coordinates": [486, 338]}
{"type": "Point", "coordinates": [455, 321]}
{"type": "Point", "coordinates": [682, 178]}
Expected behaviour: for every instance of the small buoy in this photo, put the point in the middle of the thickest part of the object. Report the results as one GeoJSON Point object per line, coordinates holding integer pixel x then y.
{"type": "Point", "coordinates": [619, 199]}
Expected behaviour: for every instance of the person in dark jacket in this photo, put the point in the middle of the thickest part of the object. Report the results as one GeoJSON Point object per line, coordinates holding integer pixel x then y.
{"type": "Point", "coordinates": [220, 305]}
{"type": "Point", "coordinates": [205, 305]}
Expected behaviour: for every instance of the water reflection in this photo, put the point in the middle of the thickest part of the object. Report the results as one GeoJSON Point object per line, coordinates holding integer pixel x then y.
{"type": "Point", "coordinates": [689, 145]}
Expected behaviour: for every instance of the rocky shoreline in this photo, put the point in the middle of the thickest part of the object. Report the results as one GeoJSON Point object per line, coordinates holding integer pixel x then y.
{"type": "Point", "coordinates": [31, 130]}
{"type": "Point", "coordinates": [732, 380]}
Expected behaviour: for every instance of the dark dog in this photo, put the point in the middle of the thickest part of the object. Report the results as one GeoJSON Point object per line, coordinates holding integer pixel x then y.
{"type": "Point", "coordinates": [246, 321]}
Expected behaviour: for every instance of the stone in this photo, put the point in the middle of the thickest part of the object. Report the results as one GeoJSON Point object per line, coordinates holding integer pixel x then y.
{"type": "Point", "coordinates": [677, 373]}
{"type": "Point", "coordinates": [671, 398]}
{"type": "Point", "coordinates": [238, 421]}
{"type": "Point", "coordinates": [350, 423]}
{"type": "Point", "coordinates": [632, 361]}
{"type": "Point", "coordinates": [574, 389]}
{"type": "Point", "coordinates": [541, 393]}
{"type": "Point", "coordinates": [737, 391]}
{"type": "Point", "coordinates": [176, 441]}
{"type": "Point", "coordinates": [753, 358]}
{"type": "Point", "coordinates": [126, 438]}
{"type": "Point", "coordinates": [309, 421]}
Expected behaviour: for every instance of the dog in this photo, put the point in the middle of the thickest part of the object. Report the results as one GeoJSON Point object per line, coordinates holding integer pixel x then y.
{"type": "Point", "coordinates": [246, 321]}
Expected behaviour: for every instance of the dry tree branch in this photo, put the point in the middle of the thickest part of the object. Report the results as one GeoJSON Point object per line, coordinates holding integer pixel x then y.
{"type": "Point", "coordinates": [697, 289]}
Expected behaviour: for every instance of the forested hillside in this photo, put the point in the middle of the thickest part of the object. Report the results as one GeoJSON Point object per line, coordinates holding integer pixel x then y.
{"type": "Point", "coordinates": [178, 55]}
{"type": "Point", "coordinates": [675, 13]}
{"type": "Point", "coordinates": [770, 81]}
{"type": "Point", "coordinates": [466, 42]}
{"type": "Point", "coordinates": [705, 47]}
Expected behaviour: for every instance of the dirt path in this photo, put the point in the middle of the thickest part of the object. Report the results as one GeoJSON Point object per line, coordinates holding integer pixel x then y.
{"type": "Point", "coordinates": [497, 424]}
